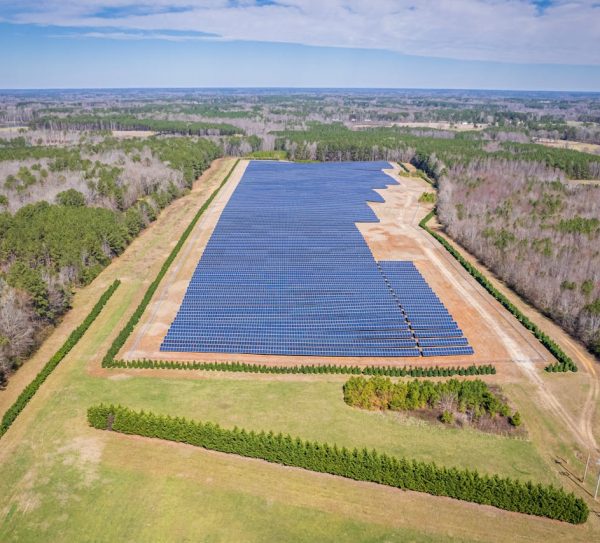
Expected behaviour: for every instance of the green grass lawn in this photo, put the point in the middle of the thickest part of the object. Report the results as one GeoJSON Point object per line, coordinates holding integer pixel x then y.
{"type": "Point", "coordinates": [116, 504]}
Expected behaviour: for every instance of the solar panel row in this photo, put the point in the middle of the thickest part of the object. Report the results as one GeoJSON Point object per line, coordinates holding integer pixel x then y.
{"type": "Point", "coordinates": [286, 271]}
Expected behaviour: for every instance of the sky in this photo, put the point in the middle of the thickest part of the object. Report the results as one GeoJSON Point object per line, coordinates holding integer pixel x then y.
{"type": "Point", "coordinates": [483, 44]}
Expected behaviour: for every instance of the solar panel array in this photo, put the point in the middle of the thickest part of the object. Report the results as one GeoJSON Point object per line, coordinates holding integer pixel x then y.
{"type": "Point", "coordinates": [287, 272]}
{"type": "Point", "coordinates": [436, 332]}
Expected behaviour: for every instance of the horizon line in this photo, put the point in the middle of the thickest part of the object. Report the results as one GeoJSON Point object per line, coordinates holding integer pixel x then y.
{"type": "Point", "coordinates": [311, 88]}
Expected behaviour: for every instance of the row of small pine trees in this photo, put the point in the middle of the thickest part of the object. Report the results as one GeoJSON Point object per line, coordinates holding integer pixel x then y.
{"type": "Point", "coordinates": [565, 363]}
{"type": "Point", "coordinates": [28, 392]}
{"type": "Point", "coordinates": [108, 360]}
{"type": "Point", "coordinates": [467, 485]}
{"type": "Point", "coordinates": [391, 371]}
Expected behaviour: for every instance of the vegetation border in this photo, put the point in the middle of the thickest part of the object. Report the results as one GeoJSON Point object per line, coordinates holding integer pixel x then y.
{"type": "Point", "coordinates": [564, 362]}
{"type": "Point", "coordinates": [243, 367]}
{"type": "Point", "coordinates": [29, 391]}
{"type": "Point", "coordinates": [467, 485]}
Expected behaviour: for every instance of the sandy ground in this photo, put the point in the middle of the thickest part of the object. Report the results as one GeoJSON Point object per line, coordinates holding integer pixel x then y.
{"type": "Point", "coordinates": [126, 134]}
{"type": "Point", "coordinates": [495, 336]}
{"type": "Point", "coordinates": [591, 148]}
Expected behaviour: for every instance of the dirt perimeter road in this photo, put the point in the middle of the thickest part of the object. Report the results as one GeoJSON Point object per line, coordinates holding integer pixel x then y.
{"type": "Point", "coordinates": [148, 335]}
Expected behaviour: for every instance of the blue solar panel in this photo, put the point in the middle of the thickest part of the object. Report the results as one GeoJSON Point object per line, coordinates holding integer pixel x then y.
{"type": "Point", "coordinates": [286, 271]}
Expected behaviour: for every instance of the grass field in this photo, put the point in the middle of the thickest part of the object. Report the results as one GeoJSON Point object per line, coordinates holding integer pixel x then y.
{"type": "Point", "coordinates": [63, 481]}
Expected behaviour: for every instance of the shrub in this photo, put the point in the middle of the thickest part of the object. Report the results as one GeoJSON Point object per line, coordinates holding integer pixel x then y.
{"type": "Point", "coordinates": [364, 465]}
{"type": "Point", "coordinates": [70, 197]}
{"type": "Point", "coordinates": [515, 420]}
{"type": "Point", "coordinates": [447, 417]}
{"type": "Point", "coordinates": [427, 198]}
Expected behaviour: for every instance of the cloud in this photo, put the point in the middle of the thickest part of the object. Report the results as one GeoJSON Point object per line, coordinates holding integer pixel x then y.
{"type": "Point", "coordinates": [518, 31]}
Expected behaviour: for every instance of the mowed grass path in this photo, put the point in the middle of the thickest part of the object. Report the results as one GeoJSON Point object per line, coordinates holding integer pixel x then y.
{"type": "Point", "coordinates": [63, 481]}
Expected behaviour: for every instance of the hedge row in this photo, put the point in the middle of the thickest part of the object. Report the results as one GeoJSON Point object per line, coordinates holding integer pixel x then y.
{"type": "Point", "coordinates": [23, 399]}
{"type": "Point", "coordinates": [391, 371]}
{"type": "Point", "coordinates": [108, 360]}
{"type": "Point", "coordinates": [467, 485]}
{"type": "Point", "coordinates": [564, 363]}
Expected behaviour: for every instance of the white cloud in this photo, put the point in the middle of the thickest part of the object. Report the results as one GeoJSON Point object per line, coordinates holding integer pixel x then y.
{"type": "Point", "coordinates": [565, 32]}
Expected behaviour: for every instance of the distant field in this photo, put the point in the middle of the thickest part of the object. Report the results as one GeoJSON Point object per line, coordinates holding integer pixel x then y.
{"type": "Point", "coordinates": [124, 134]}
{"type": "Point", "coordinates": [573, 145]}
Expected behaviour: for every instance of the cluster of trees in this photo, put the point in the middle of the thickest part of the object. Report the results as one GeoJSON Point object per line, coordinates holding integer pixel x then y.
{"type": "Point", "coordinates": [117, 121]}
{"type": "Point", "coordinates": [111, 173]}
{"type": "Point", "coordinates": [365, 465]}
{"type": "Point", "coordinates": [23, 399]}
{"type": "Point", "coordinates": [566, 132]}
{"type": "Point", "coordinates": [540, 235]}
{"type": "Point", "coordinates": [564, 362]}
{"type": "Point", "coordinates": [432, 154]}
{"type": "Point", "coordinates": [472, 397]}
{"type": "Point", "coordinates": [48, 248]}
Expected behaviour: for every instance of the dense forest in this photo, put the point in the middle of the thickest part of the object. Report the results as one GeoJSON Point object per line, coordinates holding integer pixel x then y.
{"type": "Point", "coordinates": [129, 122]}
{"type": "Point", "coordinates": [538, 232]}
{"type": "Point", "coordinates": [68, 211]}
{"type": "Point", "coordinates": [430, 150]}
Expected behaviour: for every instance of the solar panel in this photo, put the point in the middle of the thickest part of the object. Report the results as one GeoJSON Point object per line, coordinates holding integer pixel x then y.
{"type": "Point", "coordinates": [286, 271]}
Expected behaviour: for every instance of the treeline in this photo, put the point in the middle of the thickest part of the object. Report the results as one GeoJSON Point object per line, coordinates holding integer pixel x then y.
{"type": "Point", "coordinates": [564, 362]}
{"type": "Point", "coordinates": [335, 142]}
{"type": "Point", "coordinates": [130, 122]}
{"type": "Point", "coordinates": [365, 465]}
{"type": "Point", "coordinates": [539, 235]}
{"type": "Point", "coordinates": [46, 249]}
{"type": "Point", "coordinates": [451, 395]}
{"type": "Point", "coordinates": [28, 392]}
{"type": "Point", "coordinates": [222, 110]}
